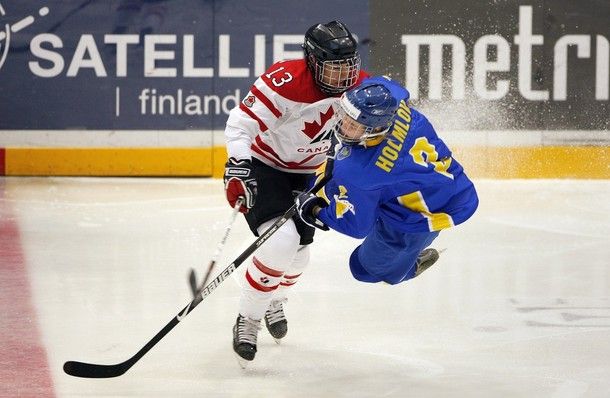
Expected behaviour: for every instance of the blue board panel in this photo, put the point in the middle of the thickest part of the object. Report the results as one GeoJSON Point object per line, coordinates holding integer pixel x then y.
{"type": "Point", "coordinates": [135, 64]}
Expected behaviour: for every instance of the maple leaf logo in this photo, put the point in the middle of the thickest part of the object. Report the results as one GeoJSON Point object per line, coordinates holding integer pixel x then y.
{"type": "Point", "coordinates": [249, 101]}
{"type": "Point", "coordinates": [313, 128]}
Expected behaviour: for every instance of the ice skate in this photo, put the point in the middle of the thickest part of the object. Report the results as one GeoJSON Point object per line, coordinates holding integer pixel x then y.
{"type": "Point", "coordinates": [425, 260]}
{"type": "Point", "coordinates": [275, 320]}
{"type": "Point", "coordinates": [245, 332]}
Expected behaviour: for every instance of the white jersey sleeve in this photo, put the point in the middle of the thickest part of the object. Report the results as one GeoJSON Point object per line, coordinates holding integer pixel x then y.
{"type": "Point", "coordinates": [260, 111]}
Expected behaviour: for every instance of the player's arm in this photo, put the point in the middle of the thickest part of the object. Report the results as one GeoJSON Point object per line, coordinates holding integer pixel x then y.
{"type": "Point", "coordinates": [259, 111]}
{"type": "Point", "coordinates": [351, 211]}
{"type": "Point", "coordinates": [346, 209]}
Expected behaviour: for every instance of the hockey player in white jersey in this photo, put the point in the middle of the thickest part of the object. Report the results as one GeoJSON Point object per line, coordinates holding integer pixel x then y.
{"type": "Point", "coordinates": [277, 137]}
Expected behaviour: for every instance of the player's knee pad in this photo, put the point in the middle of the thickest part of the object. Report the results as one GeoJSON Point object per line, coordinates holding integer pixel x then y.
{"type": "Point", "coordinates": [301, 260]}
{"type": "Point", "coordinates": [293, 273]}
{"type": "Point", "coordinates": [358, 271]}
{"type": "Point", "coordinates": [299, 263]}
{"type": "Point", "coordinates": [279, 250]}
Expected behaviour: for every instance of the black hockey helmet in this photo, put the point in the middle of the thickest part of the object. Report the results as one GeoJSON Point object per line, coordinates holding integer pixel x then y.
{"type": "Point", "coordinates": [332, 56]}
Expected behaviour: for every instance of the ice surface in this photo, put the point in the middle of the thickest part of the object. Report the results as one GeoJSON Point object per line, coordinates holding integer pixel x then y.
{"type": "Point", "coordinates": [517, 306]}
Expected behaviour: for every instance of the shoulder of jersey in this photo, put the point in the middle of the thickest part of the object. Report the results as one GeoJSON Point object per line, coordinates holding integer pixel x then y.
{"type": "Point", "coordinates": [359, 167]}
{"type": "Point", "coordinates": [293, 80]}
{"type": "Point", "coordinates": [419, 123]}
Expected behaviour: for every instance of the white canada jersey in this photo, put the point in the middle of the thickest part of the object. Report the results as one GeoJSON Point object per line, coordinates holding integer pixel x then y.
{"type": "Point", "coordinates": [284, 121]}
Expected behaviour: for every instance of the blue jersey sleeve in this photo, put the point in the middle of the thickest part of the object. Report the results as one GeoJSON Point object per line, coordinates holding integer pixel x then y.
{"type": "Point", "coordinates": [351, 210]}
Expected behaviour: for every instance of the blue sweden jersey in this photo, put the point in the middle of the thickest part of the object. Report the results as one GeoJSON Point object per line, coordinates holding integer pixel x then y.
{"type": "Point", "coordinates": [409, 180]}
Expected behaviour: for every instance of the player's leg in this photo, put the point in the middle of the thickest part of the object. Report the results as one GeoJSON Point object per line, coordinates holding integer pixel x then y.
{"type": "Point", "coordinates": [262, 278]}
{"type": "Point", "coordinates": [275, 318]}
{"type": "Point", "coordinates": [264, 273]}
{"type": "Point", "coordinates": [392, 256]}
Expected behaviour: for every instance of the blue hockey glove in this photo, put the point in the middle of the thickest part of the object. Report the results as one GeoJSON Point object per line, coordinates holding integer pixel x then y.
{"type": "Point", "coordinates": [307, 203]}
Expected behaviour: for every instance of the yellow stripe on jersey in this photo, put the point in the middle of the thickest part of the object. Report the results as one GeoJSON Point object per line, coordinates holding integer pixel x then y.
{"type": "Point", "coordinates": [415, 202]}
{"type": "Point", "coordinates": [320, 171]}
{"type": "Point", "coordinates": [342, 205]}
{"type": "Point", "coordinates": [423, 147]}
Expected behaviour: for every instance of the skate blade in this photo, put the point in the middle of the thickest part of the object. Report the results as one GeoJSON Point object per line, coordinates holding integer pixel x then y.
{"type": "Point", "coordinates": [243, 363]}
{"type": "Point", "coordinates": [277, 341]}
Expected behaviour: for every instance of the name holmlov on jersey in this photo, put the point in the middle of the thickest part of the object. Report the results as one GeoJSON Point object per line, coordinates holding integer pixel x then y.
{"type": "Point", "coordinates": [396, 138]}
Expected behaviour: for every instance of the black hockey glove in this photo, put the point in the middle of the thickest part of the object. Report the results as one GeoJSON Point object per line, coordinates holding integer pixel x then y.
{"type": "Point", "coordinates": [240, 182]}
{"type": "Point", "coordinates": [306, 204]}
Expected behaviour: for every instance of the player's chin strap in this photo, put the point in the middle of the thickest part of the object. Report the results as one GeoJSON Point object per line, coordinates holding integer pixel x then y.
{"type": "Point", "coordinates": [91, 370]}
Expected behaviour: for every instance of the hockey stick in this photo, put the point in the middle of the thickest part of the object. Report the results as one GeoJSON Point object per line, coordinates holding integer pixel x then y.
{"type": "Point", "coordinates": [193, 275]}
{"type": "Point", "coordinates": [91, 370]}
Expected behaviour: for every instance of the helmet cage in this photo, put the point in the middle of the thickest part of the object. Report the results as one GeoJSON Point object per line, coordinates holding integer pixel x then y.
{"type": "Point", "coordinates": [336, 76]}
{"type": "Point", "coordinates": [351, 132]}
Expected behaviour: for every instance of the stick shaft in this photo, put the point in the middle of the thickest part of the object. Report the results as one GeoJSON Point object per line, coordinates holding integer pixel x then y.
{"type": "Point", "coordinates": [90, 370]}
{"type": "Point", "coordinates": [221, 245]}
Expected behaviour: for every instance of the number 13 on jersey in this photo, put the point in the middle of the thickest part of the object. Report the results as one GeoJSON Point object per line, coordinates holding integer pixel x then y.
{"type": "Point", "coordinates": [283, 78]}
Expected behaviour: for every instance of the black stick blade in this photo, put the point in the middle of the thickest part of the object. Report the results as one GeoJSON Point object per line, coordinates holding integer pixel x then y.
{"type": "Point", "coordinates": [193, 282]}
{"type": "Point", "coordinates": [94, 371]}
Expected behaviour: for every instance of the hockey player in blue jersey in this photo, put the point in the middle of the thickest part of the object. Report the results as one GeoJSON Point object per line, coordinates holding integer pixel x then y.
{"type": "Point", "coordinates": [394, 183]}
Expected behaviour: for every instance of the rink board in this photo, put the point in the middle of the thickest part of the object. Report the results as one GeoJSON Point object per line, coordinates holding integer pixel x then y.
{"type": "Point", "coordinates": [584, 162]}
